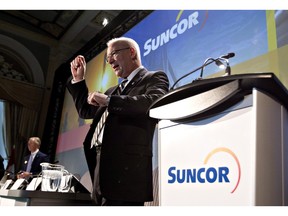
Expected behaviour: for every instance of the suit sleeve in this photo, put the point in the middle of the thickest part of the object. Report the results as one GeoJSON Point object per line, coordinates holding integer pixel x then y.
{"type": "Point", "coordinates": [79, 93]}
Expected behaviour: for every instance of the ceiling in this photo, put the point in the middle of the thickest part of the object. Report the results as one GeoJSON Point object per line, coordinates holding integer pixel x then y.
{"type": "Point", "coordinates": [75, 27]}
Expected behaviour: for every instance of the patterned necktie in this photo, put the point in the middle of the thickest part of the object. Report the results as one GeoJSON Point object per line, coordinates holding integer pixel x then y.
{"type": "Point", "coordinates": [121, 86]}
{"type": "Point", "coordinates": [95, 139]}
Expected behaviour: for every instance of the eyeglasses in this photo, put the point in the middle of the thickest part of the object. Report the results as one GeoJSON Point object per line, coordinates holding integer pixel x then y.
{"type": "Point", "coordinates": [114, 53]}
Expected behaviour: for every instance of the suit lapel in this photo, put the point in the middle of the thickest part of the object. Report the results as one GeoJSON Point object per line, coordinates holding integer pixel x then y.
{"type": "Point", "coordinates": [137, 78]}
{"type": "Point", "coordinates": [113, 91]}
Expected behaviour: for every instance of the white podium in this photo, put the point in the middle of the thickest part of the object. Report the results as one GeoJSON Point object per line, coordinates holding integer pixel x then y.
{"type": "Point", "coordinates": [224, 141]}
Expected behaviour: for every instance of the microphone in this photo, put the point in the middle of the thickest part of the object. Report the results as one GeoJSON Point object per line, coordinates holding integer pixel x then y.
{"type": "Point", "coordinates": [207, 62]}
{"type": "Point", "coordinates": [185, 75]}
{"type": "Point", "coordinates": [227, 56]}
{"type": "Point", "coordinates": [219, 62]}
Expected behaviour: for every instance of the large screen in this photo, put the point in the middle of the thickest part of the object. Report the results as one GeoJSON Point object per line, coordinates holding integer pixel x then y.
{"type": "Point", "coordinates": [179, 42]}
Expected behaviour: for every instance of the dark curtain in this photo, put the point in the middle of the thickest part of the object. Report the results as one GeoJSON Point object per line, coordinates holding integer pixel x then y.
{"type": "Point", "coordinates": [21, 111]}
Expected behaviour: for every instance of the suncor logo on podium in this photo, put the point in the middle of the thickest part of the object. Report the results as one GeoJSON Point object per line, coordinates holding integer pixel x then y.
{"type": "Point", "coordinates": [208, 174]}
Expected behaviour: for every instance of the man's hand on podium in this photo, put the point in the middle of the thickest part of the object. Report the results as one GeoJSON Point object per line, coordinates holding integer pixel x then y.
{"type": "Point", "coordinates": [23, 174]}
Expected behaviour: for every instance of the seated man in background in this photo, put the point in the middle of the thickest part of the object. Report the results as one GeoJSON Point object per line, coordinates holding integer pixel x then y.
{"type": "Point", "coordinates": [31, 164]}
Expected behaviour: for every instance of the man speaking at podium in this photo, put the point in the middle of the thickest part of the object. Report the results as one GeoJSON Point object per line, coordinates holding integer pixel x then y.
{"type": "Point", "coordinates": [123, 147]}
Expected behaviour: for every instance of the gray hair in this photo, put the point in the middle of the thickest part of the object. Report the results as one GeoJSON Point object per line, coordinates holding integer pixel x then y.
{"type": "Point", "coordinates": [130, 42]}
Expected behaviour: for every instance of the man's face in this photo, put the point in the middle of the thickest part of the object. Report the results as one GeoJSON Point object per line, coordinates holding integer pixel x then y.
{"type": "Point", "coordinates": [32, 146]}
{"type": "Point", "coordinates": [120, 58]}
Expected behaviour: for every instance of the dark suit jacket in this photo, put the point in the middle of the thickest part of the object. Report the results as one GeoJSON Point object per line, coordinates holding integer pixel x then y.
{"type": "Point", "coordinates": [40, 157]}
{"type": "Point", "coordinates": [126, 154]}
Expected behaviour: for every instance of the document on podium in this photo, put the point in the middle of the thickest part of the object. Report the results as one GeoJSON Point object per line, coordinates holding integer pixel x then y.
{"type": "Point", "coordinates": [6, 184]}
{"type": "Point", "coordinates": [17, 184]}
{"type": "Point", "coordinates": [34, 184]}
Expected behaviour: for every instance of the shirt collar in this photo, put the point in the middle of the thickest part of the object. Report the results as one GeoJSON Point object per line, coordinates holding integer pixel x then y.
{"type": "Point", "coordinates": [130, 77]}
{"type": "Point", "coordinates": [35, 152]}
